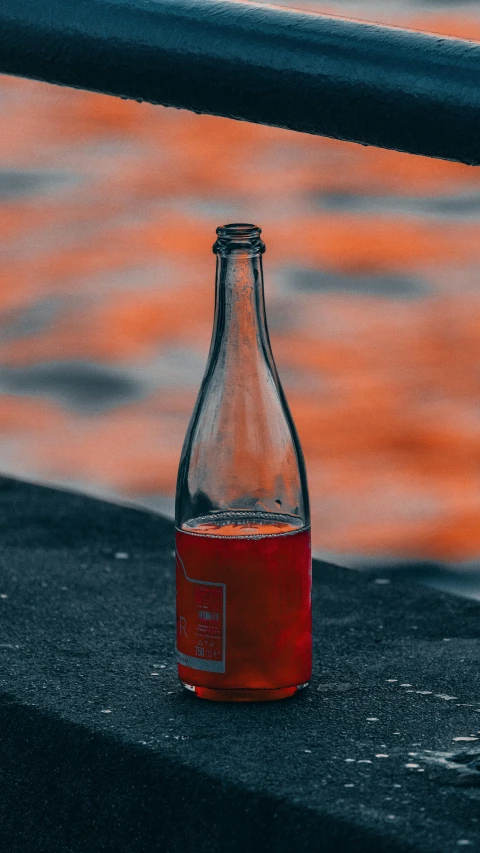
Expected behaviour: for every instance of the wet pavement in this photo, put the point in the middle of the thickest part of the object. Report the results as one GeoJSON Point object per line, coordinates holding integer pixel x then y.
{"type": "Point", "coordinates": [103, 750]}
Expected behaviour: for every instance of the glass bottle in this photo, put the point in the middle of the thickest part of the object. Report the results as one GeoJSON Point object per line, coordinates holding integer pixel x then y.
{"type": "Point", "coordinates": [242, 511]}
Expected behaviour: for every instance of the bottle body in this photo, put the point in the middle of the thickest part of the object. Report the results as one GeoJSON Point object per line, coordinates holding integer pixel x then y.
{"type": "Point", "coordinates": [242, 523]}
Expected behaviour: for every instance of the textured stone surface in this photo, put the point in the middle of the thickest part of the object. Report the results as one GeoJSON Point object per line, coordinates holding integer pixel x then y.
{"type": "Point", "coordinates": [102, 751]}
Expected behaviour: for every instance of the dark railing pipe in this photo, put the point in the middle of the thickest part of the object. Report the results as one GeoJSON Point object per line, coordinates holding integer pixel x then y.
{"type": "Point", "coordinates": [361, 82]}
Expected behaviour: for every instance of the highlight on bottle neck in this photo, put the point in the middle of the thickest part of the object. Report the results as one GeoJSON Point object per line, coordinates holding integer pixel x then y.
{"type": "Point", "coordinates": [239, 237]}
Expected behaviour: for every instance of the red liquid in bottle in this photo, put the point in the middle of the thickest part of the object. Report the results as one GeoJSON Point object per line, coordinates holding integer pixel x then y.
{"type": "Point", "coordinates": [244, 607]}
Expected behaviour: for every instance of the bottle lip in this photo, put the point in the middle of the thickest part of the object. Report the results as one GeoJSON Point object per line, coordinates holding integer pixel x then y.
{"type": "Point", "coordinates": [239, 237]}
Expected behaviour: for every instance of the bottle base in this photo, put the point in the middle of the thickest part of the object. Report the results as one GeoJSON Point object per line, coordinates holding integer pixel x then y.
{"type": "Point", "coordinates": [244, 694]}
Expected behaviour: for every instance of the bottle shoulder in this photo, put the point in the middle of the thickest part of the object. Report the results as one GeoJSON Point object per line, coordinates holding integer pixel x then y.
{"type": "Point", "coordinates": [242, 452]}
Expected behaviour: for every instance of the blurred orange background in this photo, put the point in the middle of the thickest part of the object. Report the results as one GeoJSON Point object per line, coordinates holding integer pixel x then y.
{"type": "Point", "coordinates": [108, 214]}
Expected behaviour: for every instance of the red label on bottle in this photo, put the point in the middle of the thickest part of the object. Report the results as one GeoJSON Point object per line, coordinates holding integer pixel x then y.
{"type": "Point", "coordinates": [200, 622]}
{"type": "Point", "coordinates": [257, 636]}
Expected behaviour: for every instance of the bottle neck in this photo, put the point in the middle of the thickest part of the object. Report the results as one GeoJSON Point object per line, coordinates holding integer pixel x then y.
{"type": "Point", "coordinates": [239, 304]}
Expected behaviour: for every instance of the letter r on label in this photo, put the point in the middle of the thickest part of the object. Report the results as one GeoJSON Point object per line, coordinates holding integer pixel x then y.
{"type": "Point", "coordinates": [183, 626]}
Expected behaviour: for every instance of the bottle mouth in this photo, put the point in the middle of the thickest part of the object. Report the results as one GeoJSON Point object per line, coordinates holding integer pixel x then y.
{"type": "Point", "coordinates": [239, 237]}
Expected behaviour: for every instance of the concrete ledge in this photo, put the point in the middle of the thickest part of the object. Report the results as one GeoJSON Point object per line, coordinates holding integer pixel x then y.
{"type": "Point", "coordinates": [100, 750]}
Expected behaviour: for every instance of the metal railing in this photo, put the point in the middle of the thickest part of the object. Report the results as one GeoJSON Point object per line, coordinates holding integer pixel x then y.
{"type": "Point", "coordinates": [366, 83]}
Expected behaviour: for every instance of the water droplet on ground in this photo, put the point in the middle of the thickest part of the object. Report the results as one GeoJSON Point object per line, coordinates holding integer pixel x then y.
{"type": "Point", "coordinates": [456, 739]}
